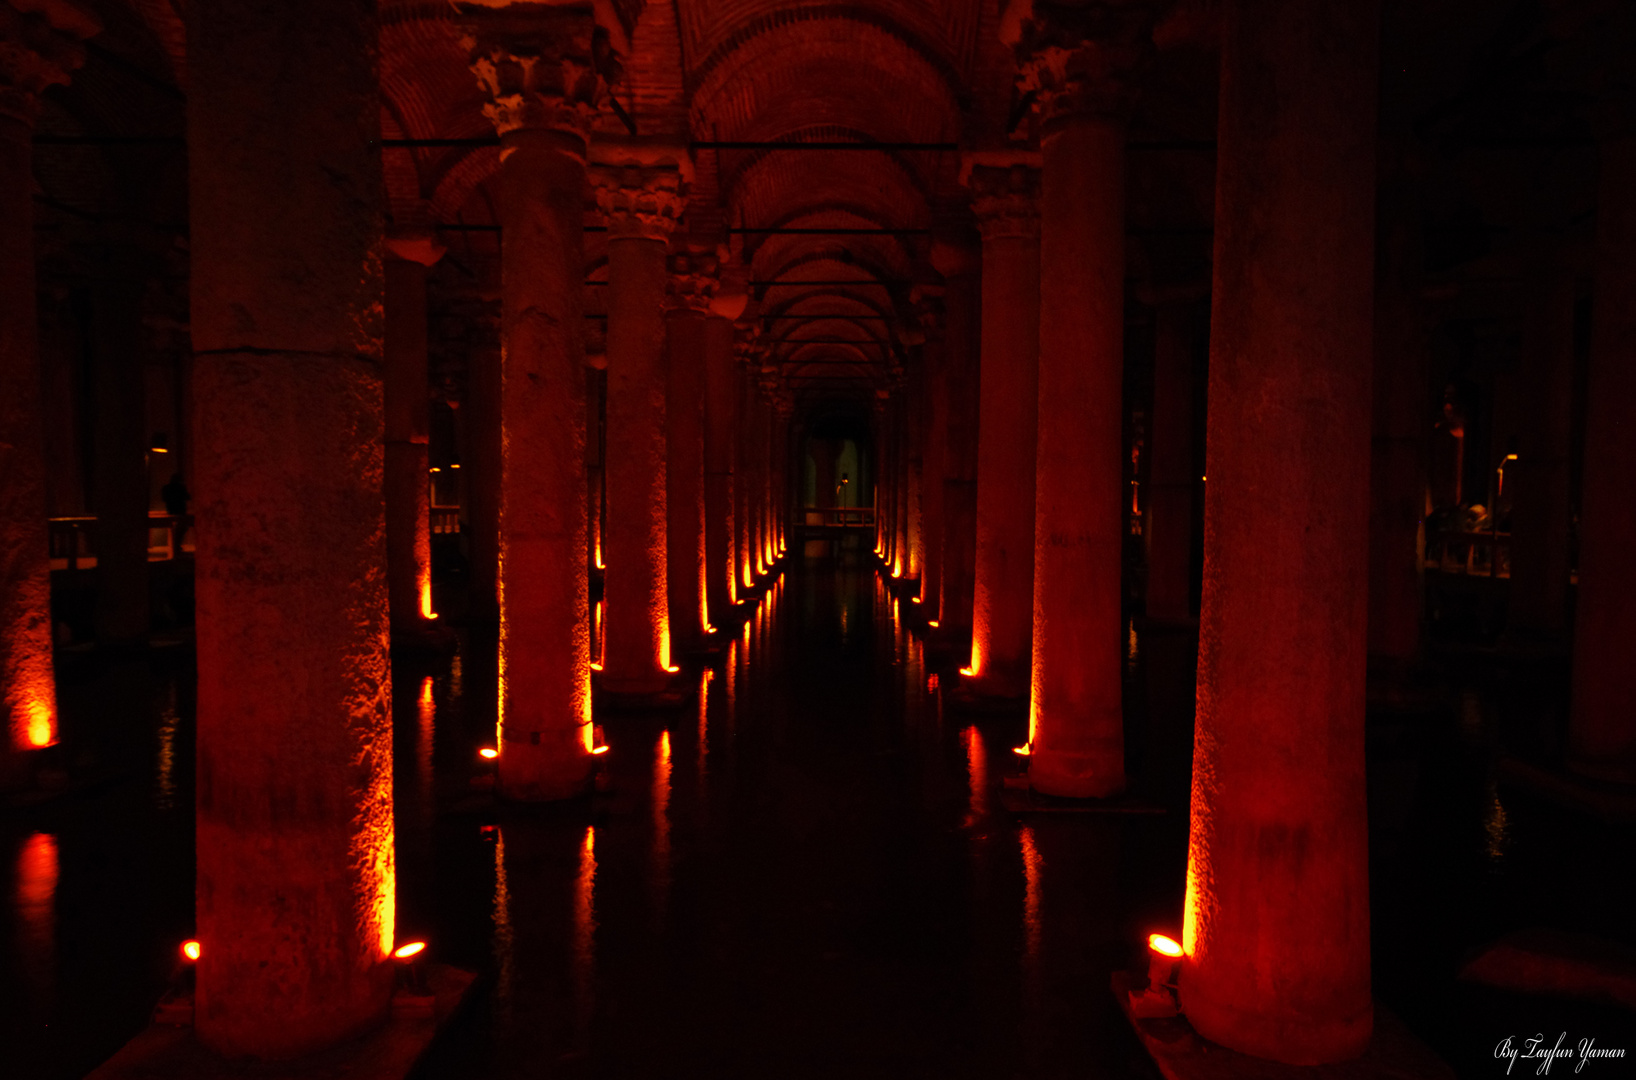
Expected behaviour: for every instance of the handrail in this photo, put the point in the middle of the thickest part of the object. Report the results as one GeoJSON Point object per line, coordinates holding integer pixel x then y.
{"type": "Point", "coordinates": [72, 539]}
{"type": "Point", "coordinates": [838, 516]}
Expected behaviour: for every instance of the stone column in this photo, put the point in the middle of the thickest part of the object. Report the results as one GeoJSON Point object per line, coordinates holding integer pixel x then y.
{"type": "Point", "coordinates": [1172, 476]}
{"type": "Point", "coordinates": [961, 265]}
{"type": "Point", "coordinates": [720, 414]}
{"type": "Point", "coordinates": [408, 411]}
{"type": "Point", "coordinates": [743, 473]}
{"type": "Point", "coordinates": [934, 406]}
{"type": "Point", "coordinates": [914, 461]}
{"type": "Point", "coordinates": [1076, 718]}
{"type": "Point", "coordinates": [1602, 724]}
{"type": "Point", "coordinates": [483, 472]}
{"type": "Point", "coordinates": [119, 467]}
{"type": "Point", "coordinates": [296, 878]}
{"type": "Point", "coordinates": [692, 282]}
{"type": "Point", "coordinates": [37, 49]}
{"type": "Point", "coordinates": [1541, 506]}
{"type": "Point", "coordinates": [1005, 190]}
{"type": "Point", "coordinates": [1276, 921]}
{"type": "Point", "coordinates": [596, 383]}
{"type": "Point", "coordinates": [641, 204]}
{"type": "Point", "coordinates": [537, 71]}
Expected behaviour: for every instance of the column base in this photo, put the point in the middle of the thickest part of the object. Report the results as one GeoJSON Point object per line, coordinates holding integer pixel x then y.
{"type": "Point", "coordinates": [424, 637]}
{"type": "Point", "coordinates": [1181, 1053]}
{"type": "Point", "coordinates": [635, 694]}
{"type": "Point", "coordinates": [1076, 775]}
{"type": "Point", "coordinates": [1290, 1039]}
{"type": "Point", "coordinates": [167, 1047]}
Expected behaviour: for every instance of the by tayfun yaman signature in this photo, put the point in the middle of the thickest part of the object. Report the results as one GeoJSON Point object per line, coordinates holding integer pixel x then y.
{"type": "Point", "coordinates": [1535, 1048]}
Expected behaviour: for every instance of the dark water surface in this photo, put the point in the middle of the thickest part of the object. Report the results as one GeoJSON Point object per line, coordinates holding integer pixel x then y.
{"type": "Point", "coordinates": [805, 872]}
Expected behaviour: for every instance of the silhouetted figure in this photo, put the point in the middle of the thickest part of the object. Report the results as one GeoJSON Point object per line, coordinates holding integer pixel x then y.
{"type": "Point", "coordinates": [175, 495]}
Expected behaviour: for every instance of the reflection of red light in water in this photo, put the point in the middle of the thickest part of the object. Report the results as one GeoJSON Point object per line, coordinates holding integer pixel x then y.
{"type": "Point", "coordinates": [37, 869]}
{"type": "Point", "coordinates": [661, 826]}
{"type": "Point", "coordinates": [1031, 895]}
{"type": "Point", "coordinates": [1165, 946]}
{"type": "Point", "coordinates": [584, 949]}
{"type": "Point", "coordinates": [977, 774]}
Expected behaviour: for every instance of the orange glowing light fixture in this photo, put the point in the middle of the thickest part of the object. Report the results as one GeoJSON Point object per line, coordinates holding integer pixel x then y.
{"type": "Point", "coordinates": [1163, 945]}
{"type": "Point", "coordinates": [603, 749]}
{"type": "Point", "coordinates": [190, 950]}
{"type": "Point", "coordinates": [488, 752]}
{"type": "Point", "coordinates": [436, 469]}
{"type": "Point", "coordinates": [426, 611]}
{"type": "Point", "coordinates": [409, 951]}
{"type": "Point", "coordinates": [595, 666]}
{"type": "Point", "coordinates": [1025, 750]}
{"type": "Point", "coordinates": [968, 672]}
{"type": "Point", "coordinates": [931, 622]}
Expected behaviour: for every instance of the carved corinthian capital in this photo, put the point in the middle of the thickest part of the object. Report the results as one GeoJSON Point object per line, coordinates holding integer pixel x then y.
{"type": "Point", "coordinates": [1005, 192]}
{"type": "Point", "coordinates": [543, 67]}
{"type": "Point", "coordinates": [642, 202]}
{"type": "Point", "coordinates": [39, 47]}
{"type": "Point", "coordinates": [1084, 58]}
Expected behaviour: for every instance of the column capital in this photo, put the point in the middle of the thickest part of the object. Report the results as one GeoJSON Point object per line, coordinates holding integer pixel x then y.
{"type": "Point", "coordinates": [1081, 59]}
{"type": "Point", "coordinates": [640, 202]}
{"type": "Point", "coordinates": [546, 68]}
{"type": "Point", "coordinates": [1005, 189]}
{"type": "Point", "coordinates": [694, 279]}
{"type": "Point", "coordinates": [39, 47]}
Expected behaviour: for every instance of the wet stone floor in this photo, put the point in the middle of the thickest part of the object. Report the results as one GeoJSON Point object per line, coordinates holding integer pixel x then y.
{"type": "Point", "coordinates": [805, 871]}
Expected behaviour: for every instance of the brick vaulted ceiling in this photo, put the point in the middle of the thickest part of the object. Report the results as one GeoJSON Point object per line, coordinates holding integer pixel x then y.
{"type": "Point", "coordinates": [867, 71]}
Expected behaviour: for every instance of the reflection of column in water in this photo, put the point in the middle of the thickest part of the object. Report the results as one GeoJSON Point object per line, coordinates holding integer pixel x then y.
{"type": "Point", "coordinates": [165, 779]}
{"type": "Point", "coordinates": [977, 774]}
{"type": "Point", "coordinates": [661, 829]}
{"type": "Point", "coordinates": [734, 652]}
{"type": "Point", "coordinates": [456, 676]}
{"type": "Point", "coordinates": [423, 754]}
{"type": "Point", "coordinates": [505, 939]}
{"type": "Point", "coordinates": [37, 922]}
{"type": "Point", "coordinates": [705, 679]}
{"type": "Point", "coordinates": [584, 956]}
{"type": "Point", "coordinates": [1031, 863]}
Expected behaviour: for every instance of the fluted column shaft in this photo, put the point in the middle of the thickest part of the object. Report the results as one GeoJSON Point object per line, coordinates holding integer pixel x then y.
{"type": "Point", "coordinates": [1276, 920]}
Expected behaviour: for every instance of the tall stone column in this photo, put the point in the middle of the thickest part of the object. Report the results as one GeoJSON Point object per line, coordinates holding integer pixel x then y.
{"type": "Point", "coordinates": [720, 415]}
{"type": "Point", "coordinates": [296, 878]}
{"type": "Point", "coordinates": [1541, 505]}
{"type": "Point", "coordinates": [537, 70]}
{"type": "Point", "coordinates": [692, 282]}
{"type": "Point", "coordinates": [961, 267]}
{"type": "Point", "coordinates": [37, 49]}
{"type": "Point", "coordinates": [408, 411]}
{"type": "Point", "coordinates": [1076, 718]}
{"type": "Point", "coordinates": [1602, 724]}
{"type": "Point", "coordinates": [483, 472]}
{"type": "Point", "coordinates": [934, 406]}
{"type": "Point", "coordinates": [1276, 921]}
{"type": "Point", "coordinates": [641, 204]}
{"type": "Point", "coordinates": [744, 467]}
{"type": "Point", "coordinates": [1172, 477]}
{"type": "Point", "coordinates": [1005, 192]}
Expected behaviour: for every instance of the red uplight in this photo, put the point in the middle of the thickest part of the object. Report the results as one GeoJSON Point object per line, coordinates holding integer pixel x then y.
{"type": "Point", "coordinates": [599, 749]}
{"type": "Point", "coordinates": [190, 950]}
{"type": "Point", "coordinates": [413, 949]}
{"type": "Point", "coordinates": [489, 752]}
{"type": "Point", "coordinates": [1163, 945]}
{"type": "Point", "coordinates": [1024, 750]}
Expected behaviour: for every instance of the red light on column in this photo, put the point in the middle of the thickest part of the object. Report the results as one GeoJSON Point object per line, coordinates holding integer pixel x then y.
{"type": "Point", "coordinates": [190, 950]}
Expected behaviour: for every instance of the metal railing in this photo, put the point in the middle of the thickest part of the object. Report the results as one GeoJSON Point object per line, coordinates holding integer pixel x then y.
{"type": "Point", "coordinates": [73, 539]}
{"type": "Point", "coordinates": [838, 517]}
